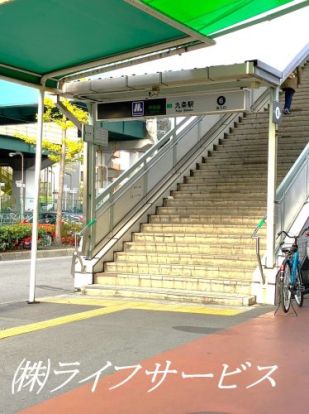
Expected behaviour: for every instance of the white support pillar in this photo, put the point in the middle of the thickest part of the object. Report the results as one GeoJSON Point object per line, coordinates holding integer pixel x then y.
{"type": "Point", "coordinates": [90, 177]}
{"type": "Point", "coordinates": [38, 156]}
{"type": "Point", "coordinates": [271, 181]}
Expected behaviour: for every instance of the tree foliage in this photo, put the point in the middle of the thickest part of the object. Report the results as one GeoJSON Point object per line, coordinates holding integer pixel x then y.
{"type": "Point", "coordinates": [64, 152]}
{"type": "Point", "coordinates": [51, 114]}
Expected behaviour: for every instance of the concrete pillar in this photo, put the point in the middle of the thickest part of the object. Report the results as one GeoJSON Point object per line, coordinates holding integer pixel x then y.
{"type": "Point", "coordinates": [271, 181]}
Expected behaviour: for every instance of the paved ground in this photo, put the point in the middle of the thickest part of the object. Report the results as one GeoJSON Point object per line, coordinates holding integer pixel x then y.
{"type": "Point", "coordinates": [72, 354]}
{"type": "Point", "coordinates": [53, 277]}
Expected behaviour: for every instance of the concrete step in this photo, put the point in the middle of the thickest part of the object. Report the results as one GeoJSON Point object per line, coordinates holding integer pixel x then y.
{"type": "Point", "coordinates": [232, 154]}
{"type": "Point", "coordinates": [171, 295]}
{"type": "Point", "coordinates": [299, 111]}
{"type": "Point", "coordinates": [237, 211]}
{"type": "Point", "coordinates": [183, 259]}
{"type": "Point", "coordinates": [219, 180]}
{"type": "Point", "coordinates": [256, 123]}
{"type": "Point", "coordinates": [216, 202]}
{"type": "Point", "coordinates": [238, 164]}
{"type": "Point", "coordinates": [231, 286]}
{"type": "Point", "coordinates": [229, 271]}
{"type": "Point", "coordinates": [224, 240]}
{"type": "Point", "coordinates": [200, 228]}
{"type": "Point", "coordinates": [231, 170]}
{"type": "Point", "coordinates": [196, 219]}
{"type": "Point", "coordinates": [237, 157]}
{"type": "Point", "coordinates": [286, 133]}
{"type": "Point", "coordinates": [223, 187]}
{"type": "Point", "coordinates": [227, 194]}
{"type": "Point", "coordinates": [258, 147]}
{"type": "Point", "coordinates": [295, 121]}
{"type": "Point", "coordinates": [246, 130]}
{"type": "Point", "coordinates": [262, 138]}
{"type": "Point", "coordinates": [245, 248]}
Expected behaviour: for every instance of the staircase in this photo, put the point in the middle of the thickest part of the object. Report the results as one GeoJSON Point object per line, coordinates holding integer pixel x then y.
{"type": "Point", "coordinates": [197, 247]}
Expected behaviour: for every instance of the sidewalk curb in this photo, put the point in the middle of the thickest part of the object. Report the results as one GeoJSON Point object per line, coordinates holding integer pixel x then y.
{"type": "Point", "coordinates": [20, 255]}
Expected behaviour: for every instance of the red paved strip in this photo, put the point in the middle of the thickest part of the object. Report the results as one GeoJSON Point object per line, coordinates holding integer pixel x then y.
{"type": "Point", "coordinates": [269, 340]}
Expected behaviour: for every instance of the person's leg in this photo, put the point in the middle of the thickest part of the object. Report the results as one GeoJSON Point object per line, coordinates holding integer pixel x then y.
{"type": "Point", "coordinates": [288, 99]}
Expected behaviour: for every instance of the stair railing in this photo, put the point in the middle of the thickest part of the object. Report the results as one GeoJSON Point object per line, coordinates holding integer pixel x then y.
{"type": "Point", "coordinates": [78, 243]}
{"type": "Point", "coordinates": [137, 188]}
{"type": "Point", "coordinates": [142, 162]}
{"type": "Point", "coordinates": [256, 236]}
{"type": "Point", "coordinates": [293, 192]}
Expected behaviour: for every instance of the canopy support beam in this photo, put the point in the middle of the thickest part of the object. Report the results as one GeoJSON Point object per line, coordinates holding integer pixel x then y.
{"type": "Point", "coordinates": [38, 157]}
{"type": "Point", "coordinates": [271, 180]}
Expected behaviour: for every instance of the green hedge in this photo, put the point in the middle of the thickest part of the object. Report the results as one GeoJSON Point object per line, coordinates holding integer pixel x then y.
{"type": "Point", "coordinates": [11, 235]}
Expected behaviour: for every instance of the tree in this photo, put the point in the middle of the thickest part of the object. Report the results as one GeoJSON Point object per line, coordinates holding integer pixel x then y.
{"type": "Point", "coordinates": [65, 152]}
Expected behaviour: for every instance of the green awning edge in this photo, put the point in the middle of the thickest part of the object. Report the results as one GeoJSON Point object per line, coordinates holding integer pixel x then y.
{"type": "Point", "coordinates": [214, 16]}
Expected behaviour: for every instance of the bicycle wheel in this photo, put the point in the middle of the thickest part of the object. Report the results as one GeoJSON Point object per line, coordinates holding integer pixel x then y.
{"type": "Point", "coordinates": [285, 292]}
{"type": "Point", "coordinates": [298, 293]}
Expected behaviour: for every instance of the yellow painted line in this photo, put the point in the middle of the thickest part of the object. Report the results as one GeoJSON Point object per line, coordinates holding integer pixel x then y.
{"type": "Point", "coordinates": [167, 307]}
{"type": "Point", "coordinates": [86, 301]}
{"type": "Point", "coordinates": [32, 327]}
{"type": "Point", "coordinates": [188, 309]}
{"type": "Point", "coordinates": [110, 306]}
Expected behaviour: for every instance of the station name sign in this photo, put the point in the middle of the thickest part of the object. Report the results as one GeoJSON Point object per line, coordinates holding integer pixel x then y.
{"type": "Point", "coordinates": [232, 101]}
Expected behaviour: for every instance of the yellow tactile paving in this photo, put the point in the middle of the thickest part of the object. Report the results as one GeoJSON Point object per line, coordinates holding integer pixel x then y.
{"type": "Point", "coordinates": [6, 333]}
{"type": "Point", "coordinates": [168, 307]}
{"type": "Point", "coordinates": [105, 307]}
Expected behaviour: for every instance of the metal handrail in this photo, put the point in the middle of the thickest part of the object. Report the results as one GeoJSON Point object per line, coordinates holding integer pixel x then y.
{"type": "Point", "coordinates": [257, 246]}
{"type": "Point", "coordinates": [292, 174]}
{"type": "Point", "coordinates": [77, 252]}
{"type": "Point", "coordinates": [171, 136]}
{"type": "Point", "coordinates": [298, 60]}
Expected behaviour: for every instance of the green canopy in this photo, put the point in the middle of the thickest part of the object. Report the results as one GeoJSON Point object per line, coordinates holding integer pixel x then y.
{"type": "Point", "coordinates": [212, 16]}
{"type": "Point", "coordinates": [44, 40]}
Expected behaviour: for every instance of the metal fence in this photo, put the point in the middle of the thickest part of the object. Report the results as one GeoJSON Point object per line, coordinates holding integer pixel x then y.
{"type": "Point", "coordinates": [10, 208]}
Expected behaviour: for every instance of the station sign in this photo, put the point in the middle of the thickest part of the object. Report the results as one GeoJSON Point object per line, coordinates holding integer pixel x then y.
{"type": "Point", "coordinates": [277, 115]}
{"type": "Point", "coordinates": [232, 101]}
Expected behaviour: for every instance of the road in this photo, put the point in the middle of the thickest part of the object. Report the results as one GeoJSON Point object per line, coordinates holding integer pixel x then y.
{"type": "Point", "coordinates": [53, 278]}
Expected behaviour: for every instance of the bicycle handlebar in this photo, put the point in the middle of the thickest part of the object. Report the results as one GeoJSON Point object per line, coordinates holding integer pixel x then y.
{"type": "Point", "coordinates": [292, 237]}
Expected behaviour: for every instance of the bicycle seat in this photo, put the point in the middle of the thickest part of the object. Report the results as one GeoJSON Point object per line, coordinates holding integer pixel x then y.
{"type": "Point", "coordinates": [288, 249]}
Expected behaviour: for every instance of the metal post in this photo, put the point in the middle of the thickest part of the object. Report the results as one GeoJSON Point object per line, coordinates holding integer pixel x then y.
{"type": "Point", "coordinates": [92, 180]}
{"type": "Point", "coordinates": [1, 185]}
{"type": "Point", "coordinates": [89, 183]}
{"type": "Point", "coordinates": [38, 155]}
{"type": "Point", "coordinates": [271, 181]}
{"type": "Point", "coordinates": [21, 188]}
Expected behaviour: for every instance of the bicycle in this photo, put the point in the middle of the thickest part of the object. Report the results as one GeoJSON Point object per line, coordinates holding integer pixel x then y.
{"type": "Point", "coordinates": [291, 282]}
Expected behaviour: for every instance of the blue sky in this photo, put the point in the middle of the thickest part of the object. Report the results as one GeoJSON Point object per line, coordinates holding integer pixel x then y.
{"type": "Point", "coordinates": [13, 94]}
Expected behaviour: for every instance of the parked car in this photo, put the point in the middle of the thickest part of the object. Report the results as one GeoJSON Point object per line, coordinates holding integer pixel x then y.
{"type": "Point", "coordinates": [44, 218]}
{"type": "Point", "coordinates": [72, 218]}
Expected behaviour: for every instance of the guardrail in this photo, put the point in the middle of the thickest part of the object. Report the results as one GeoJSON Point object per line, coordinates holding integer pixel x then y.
{"type": "Point", "coordinates": [9, 218]}
{"type": "Point", "coordinates": [256, 236]}
{"type": "Point", "coordinates": [142, 162]}
{"type": "Point", "coordinates": [77, 254]}
{"type": "Point", "coordinates": [293, 192]}
{"type": "Point", "coordinates": [155, 170]}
